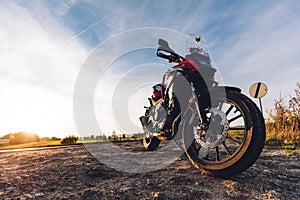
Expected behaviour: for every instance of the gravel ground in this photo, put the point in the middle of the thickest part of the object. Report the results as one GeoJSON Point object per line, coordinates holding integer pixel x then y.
{"type": "Point", "coordinates": [72, 173]}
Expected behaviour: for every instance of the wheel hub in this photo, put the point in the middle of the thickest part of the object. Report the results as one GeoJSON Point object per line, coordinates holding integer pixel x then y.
{"type": "Point", "coordinates": [215, 134]}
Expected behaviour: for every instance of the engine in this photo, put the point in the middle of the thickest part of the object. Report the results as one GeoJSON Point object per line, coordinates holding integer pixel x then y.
{"type": "Point", "coordinates": [156, 115]}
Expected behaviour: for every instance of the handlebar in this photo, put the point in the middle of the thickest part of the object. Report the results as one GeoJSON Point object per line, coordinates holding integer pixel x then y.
{"type": "Point", "coordinates": [171, 56]}
{"type": "Point", "coordinates": [165, 51]}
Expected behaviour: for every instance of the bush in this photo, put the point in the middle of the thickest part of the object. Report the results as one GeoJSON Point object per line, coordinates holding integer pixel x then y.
{"type": "Point", "coordinates": [54, 139]}
{"type": "Point", "coordinates": [24, 137]}
{"type": "Point", "coordinates": [71, 139]}
{"type": "Point", "coordinates": [47, 139]}
{"type": "Point", "coordinates": [283, 125]}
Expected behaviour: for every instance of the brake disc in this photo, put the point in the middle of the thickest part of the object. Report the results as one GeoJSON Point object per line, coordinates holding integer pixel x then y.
{"type": "Point", "coordinates": [215, 134]}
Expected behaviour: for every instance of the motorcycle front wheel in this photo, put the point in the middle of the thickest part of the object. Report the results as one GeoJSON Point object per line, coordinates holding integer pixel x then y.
{"type": "Point", "coordinates": [240, 146]}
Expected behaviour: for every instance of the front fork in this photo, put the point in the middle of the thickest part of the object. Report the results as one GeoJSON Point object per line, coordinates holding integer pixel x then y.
{"type": "Point", "coordinates": [144, 121]}
{"type": "Point", "coordinates": [197, 113]}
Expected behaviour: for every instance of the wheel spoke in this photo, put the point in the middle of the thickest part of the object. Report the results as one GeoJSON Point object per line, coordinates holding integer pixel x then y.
{"type": "Point", "coordinates": [206, 157]}
{"type": "Point", "coordinates": [236, 128]}
{"type": "Point", "coordinates": [235, 118]}
{"type": "Point", "coordinates": [226, 148]}
{"type": "Point", "coordinates": [236, 110]}
{"type": "Point", "coordinates": [229, 109]}
{"type": "Point", "coordinates": [221, 105]}
{"type": "Point", "coordinates": [198, 146]}
{"type": "Point", "coordinates": [232, 119]}
{"type": "Point", "coordinates": [217, 153]}
{"type": "Point", "coordinates": [234, 140]}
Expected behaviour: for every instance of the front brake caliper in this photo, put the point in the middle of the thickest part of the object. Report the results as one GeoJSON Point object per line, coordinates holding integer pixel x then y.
{"type": "Point", "coordinates": [215, 134]}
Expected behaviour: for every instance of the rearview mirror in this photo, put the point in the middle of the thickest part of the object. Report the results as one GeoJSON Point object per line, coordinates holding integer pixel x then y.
{"type": "Point", "coordinates": [164, 45]}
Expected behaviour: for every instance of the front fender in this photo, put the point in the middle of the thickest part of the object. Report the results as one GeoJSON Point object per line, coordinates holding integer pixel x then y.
{"type": "Point", "coordinates": [222, 89]}
{"type": "Point", "coordinates": [230, 88]}
{"type": "Point", "coordinates": [206, 97]}
{"type": "Point", "coordinates": [218, 90]}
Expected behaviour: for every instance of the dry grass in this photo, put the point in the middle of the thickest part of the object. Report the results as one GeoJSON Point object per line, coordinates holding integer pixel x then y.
{"type": "Point", "coordinates": [283, 124]}
{"type": "Point", "coordinates": [31, 145]}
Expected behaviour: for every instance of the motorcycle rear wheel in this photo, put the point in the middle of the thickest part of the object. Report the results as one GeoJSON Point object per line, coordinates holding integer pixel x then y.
{"type": "Point", "coordinates": [242, 145]}
{"type": "Point", "coordinates": [150, 143]}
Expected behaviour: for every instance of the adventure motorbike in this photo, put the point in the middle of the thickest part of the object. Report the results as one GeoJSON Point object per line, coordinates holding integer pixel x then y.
{"type": "Point", "coordinates": [220, 129]}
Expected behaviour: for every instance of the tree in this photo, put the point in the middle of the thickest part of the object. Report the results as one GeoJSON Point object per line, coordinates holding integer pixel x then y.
{"type": "Point", "coordinates": [71, 139]}
{"type": "Point", "coordinates": [24, 137]}
{"type": "Point", "coordinates": [114, 135]}
{"type": "Point", "coordinates": [103, 137]}
{"type": "Point", "coordinates": [8, 136]}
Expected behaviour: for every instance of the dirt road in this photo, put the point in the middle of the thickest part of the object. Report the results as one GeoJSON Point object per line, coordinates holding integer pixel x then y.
{"type": "Point", "coordinates": [72, 173]}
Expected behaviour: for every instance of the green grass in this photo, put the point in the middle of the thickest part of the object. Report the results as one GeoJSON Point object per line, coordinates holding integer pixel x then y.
{"type": "Point", "coordinates": [236, 134]}
{"type": "Point", "coordinates": [57, 143]}
{"type": "Point", "coordinates": [31, 145]}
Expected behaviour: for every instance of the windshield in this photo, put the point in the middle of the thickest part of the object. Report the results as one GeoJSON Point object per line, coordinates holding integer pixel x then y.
{"type": "Point", "coordinates": [198, 53]}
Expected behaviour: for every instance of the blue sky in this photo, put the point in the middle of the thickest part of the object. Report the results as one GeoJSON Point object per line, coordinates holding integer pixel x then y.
{"type": "Point", "coordinates": [43, 45]}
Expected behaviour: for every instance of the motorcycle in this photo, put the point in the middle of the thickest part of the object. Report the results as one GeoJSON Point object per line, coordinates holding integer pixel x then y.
{"type": "Point", "coordinates": [221, 130]}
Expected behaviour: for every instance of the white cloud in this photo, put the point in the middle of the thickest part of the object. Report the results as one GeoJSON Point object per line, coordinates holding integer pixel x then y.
{"type": "Point", "coordinates": [38, 71]}
{"type": "Point", "coordinates": [40, 56]}
{"type": "Point", "coordinates": [120, 98]}
{"type": "Point", "coordinates": [64, 6]}
{"type": "Point", "coordinates": [185, 16]}
{"type": "Point", "coordinates": [266, 50]}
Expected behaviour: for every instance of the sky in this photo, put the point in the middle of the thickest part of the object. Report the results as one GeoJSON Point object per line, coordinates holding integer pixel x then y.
{"type": "Point", "coordinates": [44, 44]}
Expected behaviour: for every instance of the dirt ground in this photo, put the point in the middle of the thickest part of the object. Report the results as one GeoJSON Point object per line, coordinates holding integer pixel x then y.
{"type": "Point", "coordinates": [72, 173]}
